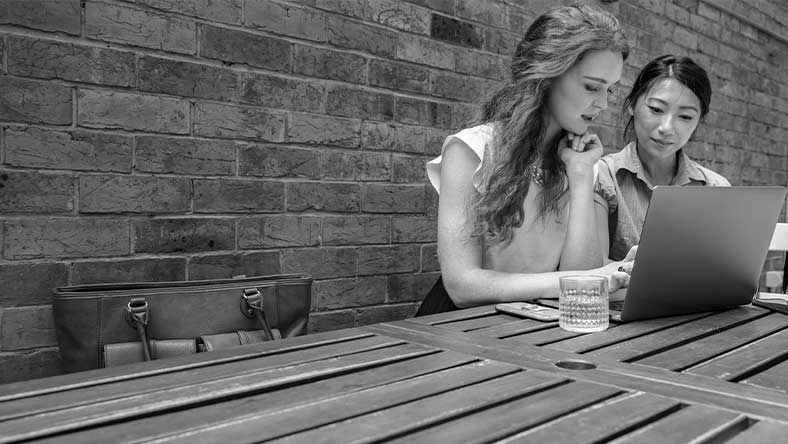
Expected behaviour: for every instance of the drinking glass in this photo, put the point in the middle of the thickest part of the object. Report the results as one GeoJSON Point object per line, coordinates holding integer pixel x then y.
{"type": "Point", "coordinates": [583, 304]}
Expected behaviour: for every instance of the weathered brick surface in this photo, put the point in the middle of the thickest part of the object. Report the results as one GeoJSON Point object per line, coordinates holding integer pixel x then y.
{"type": "Point", "coordinates": [406, 229]}
{"type": "Point", "coordinates": [356, 230]}
{"type": "Point", "coordinates": [383, 313]}
{"type": "Point", "coordinates": [399, 76]}
{"type": "Point", "coordinates": [400, 15]}
{"type": "Point", "coordinates": [29, 364]}
{"type": "Point", "coordinates": [186, 79]}
{"type": "Point", "coordinates": [408, 169]}
{"type": "Point", "coordinates": [482, 64]}
{"type": "Point", "coordinates": [456, 31]}
{"type": "Point", "coordinates": [410, 287]}
{"type": "Point", "coordinates": [184, 156]}
{"type": "Point", "coordinates": [76, 150]}
{"type": "Point", "coordinates": [58, 60]}
{"type": "Point", "coordinates": [242, 47]}
{"type": "Point", "coordinates": [381, 198]}
{"type": "Point", "coordinates": [30, 284]}
{"type": "Point", "coordinates": [44, 15]}
{"type": "Point", "coordinates": [425, 51]}
{"type": "Point", "coordinates": [333, 320]}
{"type": "Point", "coordinates": [280, 92]}
{"type": "Point", "coordinates": [122, 24]}
{"type": "Point", "coordinates": [318, 130]}
{"type": "Point", "coordinates": [423, 112]}
{"type": "Point", "coordinates": [429, 258]}
{"type": "Point", "coordinates": [393, 137]}
{"type": "Point", "coordinates": [112, 109]}
{"type": "Point", "coordinates": [65, 237]}
{"type": "Point", "coordinates": [27, 327]}
{"type": "Point", "coordinates": [351, 102]}
{"type": "Point", "coordinates": [229, 11]}
{"type": "Point", "coordinates": [225, 266]}
{"type": "Point", "coordinates": [351, 292]}
{"type": "Point", "coordinates": [321, 263]}
{"type": "Point", "coordinates": [278, 231]}
{"type": "Point", "coordinates": [133, 270]}
{"type": "Point", "coordinates": [278, 161]}
{"type": "Point", "coordinates": [338, 197]}
{"type": "Point", "coordinates": [286, 19]}
{"type": "Point", "coordinates": [354, 35]}
{"type": "Point", "coordinates": [183, 235]}
{"type": "Point", "coordinates": [34, 102]}
{"type": "Point", "coordinates": [32, 192]}
{"type": "Point", "coordinates": [490, 12]}
{"type": "Point", "coordinates": [356, 166]}
{"type": "Point", "coordinates": [388, 259]}
{"type": "Point", "coordinates": [327, 64]}
{"type": "Point", "coordinates": [237, 196]}
{"type": "Point", "coordinates": [133, 194]}
{"type": "Point", "coordinates": [215, 120]}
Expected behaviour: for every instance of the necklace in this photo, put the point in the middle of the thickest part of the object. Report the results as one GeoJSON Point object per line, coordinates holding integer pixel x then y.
{"type": "Point", "coordinates": [537, 175]}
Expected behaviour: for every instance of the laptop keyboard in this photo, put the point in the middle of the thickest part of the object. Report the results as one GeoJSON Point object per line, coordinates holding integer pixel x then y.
{"type": "Point", "coordinates": [616, 305]}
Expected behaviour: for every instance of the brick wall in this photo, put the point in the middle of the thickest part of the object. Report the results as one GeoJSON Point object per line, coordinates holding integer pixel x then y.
{"type": "Point", "coordinates": [162, 140]}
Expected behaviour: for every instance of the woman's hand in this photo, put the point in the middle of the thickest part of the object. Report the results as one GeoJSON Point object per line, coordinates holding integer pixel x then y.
{"type": "Point", "coordinates": [618, 273]}
{"type": "Point", "coordinates": [579, 153]}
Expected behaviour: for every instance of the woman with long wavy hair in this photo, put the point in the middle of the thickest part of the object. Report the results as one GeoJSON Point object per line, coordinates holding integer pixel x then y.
{"type": "Point", "coordinates": [516, 208]}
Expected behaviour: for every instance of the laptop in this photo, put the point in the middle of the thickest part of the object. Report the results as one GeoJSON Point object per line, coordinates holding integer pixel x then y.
{"type": "Point", "coordinates": [701, 249]}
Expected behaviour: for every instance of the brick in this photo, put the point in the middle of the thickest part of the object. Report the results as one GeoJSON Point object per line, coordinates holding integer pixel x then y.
{"type": "Point", "coordinates": [327, 64]}
{"type": "Point", "coordinates": [463, 116]}
{"type": "Point", "coordinates": [29, 364]}
{"type": "Point", "coordinates": [408, 169]}
{"type": "Point", "coordinates": [685, 38]}
{"type": "Point", "coordinates": [278, 231]}
{"type": "Point", "coordinates": [170, 155]}
{"type": "Point", "coordinates": [320, 262]}
{"type": "Point", "coordinates": [33, 192]}
{"type": "Point", "coordinates": [708, 46]}
{"type": "Point", "coordinates": [112, 109]}
{"type": "Point", "coordinates": [677, 14]}
{"type": "Point", "coordinates": [437, 5]}
{"type": "Point", "coordinates": [183, 235]}
{"type": "Point", "coordinates": [383, 198]}
{"type": "Point", "coordinates": [388, 259]}
{"type": "Point", "coordinates": [319, 322]}
{"type": "Point", "coordinates": [354, 35]}
{"type": "Point", "coordinates": [65, 237]}
{"type": "Point", "coordinates": [456, 31]}
{"type": "Point", "coordinates": [186, 79]}
{"type": "Point", "coordinates": [489, 12]}
{"type": "Point", "coordinates": [286, 19]}
{"type": "Point", "coordinates": [409, 287]}
{"type": "Point", "coordinates": [75, 150]}
{"type": "Point", "coordinates": [429, 258]}
{"type": "Point", "coordinates": [320, 196]}
{"type": "Point", "coordinates": [121, 24]}
{"type": "Point", "coordinates": [349, 8]}
{"type": "Point", "coordinates": [500, 42]}
{"type": "Point", "coordinates": [278, 161]}
{"type": "Point", "coordinates": [229, 265]}
{"type": "Point", "coordinates": [393, 137]}
{"type": "Point", "coordinates": [399, 15]}
{"type": "Point", "coordinates": [227, 11]}
{"type": "Point", "coordinates": [279, 92]}
{"type": "Point", "coordinates": [243, 47]}
{"type": "Point", "coordinates": [710, 12]}
{"type": "Point", "coordinates": [30, 284]}
{"type": "Point", "coordinates": [237, 196]}
{"type": "Point", "coordinates": [385, 313]}
{"type": "Point", "coordinates": [340, 165]}
{"type": "Point", "coordinates": [133, 194]}
{"type": "Point", "coordinates": [133, 270]}
{"type": "Point", "coordinates": [519, 20]}
{"type": "Point", "coordinates": [398, 76]}
{"type": "Point", "coordinates": [44, 15]}
{"type": "Point", "coordinates": [463, 88]}
{"type": "Point", "coordinates": [215, 120]}
{"type": "Point", "coordinates": [416, 49]}
{"type": "Point", "coordinates": [34, 102]}
{"type": "Point", "coordinates": [320, 130]}
{"type": "Point", "coordinates": [356, 230]}
{"type": "Point", "coordinates": [351, 102]}
{"type": "Point", "coordinates": [59, 60]}
{"type": "Point", "coordinates": [481, 64]}
{"type": "Point", "coordinates": [352, 292]}
{"type": "Point", "coordinates": [414, 229]}
{"type": "Point", "coordinates": [27, 327]}
{"type": "Point", "coordinates": [422, 112]}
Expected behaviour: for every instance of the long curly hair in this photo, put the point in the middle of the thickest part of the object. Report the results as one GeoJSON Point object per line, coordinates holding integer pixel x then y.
{"type": "Point", "coordinates": [553, 43]}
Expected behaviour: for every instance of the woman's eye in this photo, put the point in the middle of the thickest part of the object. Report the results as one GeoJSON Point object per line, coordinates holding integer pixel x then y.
{"type": "Point", "coordinates": [655, 110]}
{"type": "Point", "coordinates": [592, 88]}
{"type": "Point", "coordinates": [687, 118]}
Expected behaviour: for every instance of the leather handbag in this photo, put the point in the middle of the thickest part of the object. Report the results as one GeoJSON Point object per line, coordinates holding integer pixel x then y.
{"type": "Point", "coordinates": [102, 325]}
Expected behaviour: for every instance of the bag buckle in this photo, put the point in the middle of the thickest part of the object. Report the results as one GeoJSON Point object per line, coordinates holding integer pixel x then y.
{"type": "Point", "coordinates": [252, 306]}
{"type": "Point", "coordinates": [137, 311]}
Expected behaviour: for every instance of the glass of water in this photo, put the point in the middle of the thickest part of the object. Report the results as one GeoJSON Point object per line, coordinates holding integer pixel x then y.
{"type": "Point", "coordinates": [583, 304]}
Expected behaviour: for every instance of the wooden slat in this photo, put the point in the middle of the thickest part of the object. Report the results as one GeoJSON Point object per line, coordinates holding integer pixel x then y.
{"type": "Point", "coordinates": [599, 423]}
{"type": "Point", "coordinates": [761, 432]}
{"type": "Point", "coordinates": [518, 327]}
{"type": "Point", "coordinates": [71, 381]}
{"type": "Point", "coordinates": [622, 332]}
{"type": "Point", "coordinates": [678, 335]}
{"type": "Point", "coordinates": [457, 315]}
{"type": "Point", "coordinates": [705, 348]}
{"type": "Point", "coordinates": [109, 391]}
{"type": "Point", "coordinates": [480, 322]}
{"type": "Point", "coordinates": [691, 424]}
{"type": "Point", "coordinates": [747, 360]}
{"type": "Point", "coordinates": [543, 336]}
{"type": "Point", "coordinates": [513, 416]}
{"type": "Point", "coordinates": [775, 377]}
{"type": "Point", "coordinates": [424, 412]}
{"type": "Point", "coordinates": [195, 393]}
{"type": "Point", "coordinates": [251, 413]}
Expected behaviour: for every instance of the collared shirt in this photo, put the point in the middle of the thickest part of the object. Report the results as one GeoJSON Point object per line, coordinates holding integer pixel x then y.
{"type": "Point", "coordinates": [625, 191]}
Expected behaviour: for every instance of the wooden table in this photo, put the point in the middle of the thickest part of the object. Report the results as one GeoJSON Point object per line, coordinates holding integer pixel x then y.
{"type": "Point", "coordinates": [466, 376]}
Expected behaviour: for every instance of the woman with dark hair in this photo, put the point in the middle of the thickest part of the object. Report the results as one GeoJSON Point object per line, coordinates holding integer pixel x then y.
{"type": "Point", "coordinates": [668, 100]}
{"type": "Point", "coordinates": [516, 208]}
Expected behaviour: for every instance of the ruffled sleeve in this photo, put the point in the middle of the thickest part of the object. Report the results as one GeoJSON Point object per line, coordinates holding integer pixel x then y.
{"type": "Point", "coordinates": [604, 186]}
{"type": "Point", "coordinates": [477, 139]}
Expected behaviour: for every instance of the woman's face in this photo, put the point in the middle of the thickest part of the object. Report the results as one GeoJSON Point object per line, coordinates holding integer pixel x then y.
{"type": "Point", "coordinates": [578, 96]}
{"type": "Point", "coordinates": [665, 118]}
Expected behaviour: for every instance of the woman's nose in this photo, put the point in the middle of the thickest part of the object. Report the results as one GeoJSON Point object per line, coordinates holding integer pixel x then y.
{"type": "Point", "coordinates": [665, 125]}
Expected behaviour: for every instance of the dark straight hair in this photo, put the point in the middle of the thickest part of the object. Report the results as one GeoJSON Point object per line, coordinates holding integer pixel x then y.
{"type": "Point", "coordinates": [683, 69]}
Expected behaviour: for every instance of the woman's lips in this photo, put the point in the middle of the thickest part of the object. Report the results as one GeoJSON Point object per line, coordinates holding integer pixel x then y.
{"type": "Point", "coordinates": [662, 142]}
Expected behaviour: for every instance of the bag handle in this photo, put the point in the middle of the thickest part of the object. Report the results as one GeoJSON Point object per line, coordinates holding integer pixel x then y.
{"type": "Point", "coordinates": [138, 311]}
{"type": "Point", "coordinates": [252, 304]}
